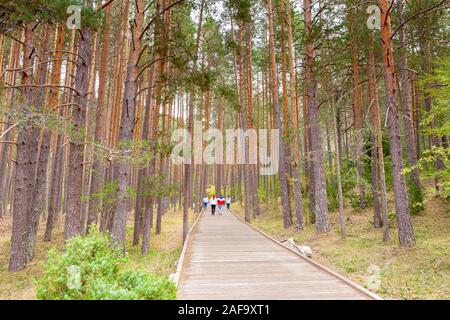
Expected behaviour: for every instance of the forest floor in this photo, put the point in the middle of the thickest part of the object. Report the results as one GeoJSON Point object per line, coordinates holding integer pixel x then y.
{"type": "Point", "coordinates": [165, 250]}
{"type": "Point", "coordinates": [422, 272]}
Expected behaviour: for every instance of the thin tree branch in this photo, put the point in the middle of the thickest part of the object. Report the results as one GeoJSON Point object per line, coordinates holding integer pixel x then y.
{"type": "Point", "coordinates": [9, 129]}
{"type": "Point", "coordinates": [156, 16]}
{"type": "Point", "coordinates": [425, 11]}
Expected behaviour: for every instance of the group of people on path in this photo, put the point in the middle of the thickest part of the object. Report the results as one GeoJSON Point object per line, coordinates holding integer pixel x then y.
{"type": "Point", "coordinates": [220, 202]}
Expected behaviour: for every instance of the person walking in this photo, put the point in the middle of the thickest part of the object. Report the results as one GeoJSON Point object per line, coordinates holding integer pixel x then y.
{"type": "Point", "coordinates": [221, 203]}
{"type": "Point", "coordinates": [228, 201]}
{"type": "Point", "coordinates": [205, 202]}
{"type": "Point", "coordinates": [213, 203]}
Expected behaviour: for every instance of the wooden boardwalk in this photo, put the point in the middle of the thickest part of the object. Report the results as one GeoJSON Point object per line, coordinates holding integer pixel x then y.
{"type": "Point", "coordinates": [226, 259]}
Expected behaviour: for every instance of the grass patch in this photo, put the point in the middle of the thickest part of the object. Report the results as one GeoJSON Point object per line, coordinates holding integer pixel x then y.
{"type": "Point", "coordinates": [422, 272]}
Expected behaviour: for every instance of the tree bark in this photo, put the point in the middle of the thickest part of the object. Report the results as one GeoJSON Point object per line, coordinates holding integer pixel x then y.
{"type": "Point", "coordinates": [376, 124]}
{"type": "Point", "coordinates": [287, 218]}
{"type": "Point", "coordinates": [40, 185]}
{"type": "Point", "coordinates": [317, 170]}
{"type": "Point", "coordinates": [127, 125]}
{"type": "Point", "coordinates": [295, 127]}
{"type": "Point", "coordinates": [95, 203]}
{"type": "Point", "coordinates": [358, 126]}
{"type": "Point", "coordinates": [72, 222]}
{"type": "Point", "coordinates": [10, 95]}
{"type": "Point", "coordinates": [187, 167]}
{"type": "Point", "coordinates": [405, 228]}
{"type": "Point", "coordinates": [25, 164]}
{"type": "Point", "coordinates": [408, 118]}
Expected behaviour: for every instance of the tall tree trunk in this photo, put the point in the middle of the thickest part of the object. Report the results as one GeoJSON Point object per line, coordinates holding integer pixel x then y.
{"type": "Point", "coordinates": [254, 172]}
{"type": "Point", "coordinates": [149, 202]}
{"type": "Point", "coordinates": [187, 166]}
{"type": "Point", "coordinates": [7, 133]}
{"type": "Point", "coordinates": [127, 124]}
{"type": "Point", "coordinates": [338, 158]}
{"type": "Point", "coordinates": [377, 222]}
{"type": "Point", "coordinates": [307, 147]}
{"type": "Point", "coordinates": [295, 127]}
{"type": "Point", "coordinates": [358, 126]}
{"type": "Point", "coordinates": [317, 169]}
{"type": "Point", "coordinates": [243, 124]}
{"type": "Point", "coordinates": [76, 147]}
{"type": "Point", "coordinates": [286, 117]}
{"type": "Point", "coordinates": [95, 203]}
{"type": "Point", "coordinates": [376, 124]}
{"type": "Point", "coordinates": [40, 185]}
{"type": "Point", "coordinates": [408, 118]}
{"type": "Point", "coordinates": [89, 138]}
{"type": "Point", "coordinates": [287, 218]}
{"type": "Point", "coordinates": [57, 162]}
{"type": "Point", "coordinates": [26, 157]}
{"type": "Point", "coordinates": [435, 141]}
{"type": "Point", "coordinates": [405, 228]}
{"type": "Point", "coordinates": [2, 56]}
{"type": "Point", "coordinates": [140, 208]}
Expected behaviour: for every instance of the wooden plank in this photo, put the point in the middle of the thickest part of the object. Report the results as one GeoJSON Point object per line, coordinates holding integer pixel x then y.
{"type": "Point", "coordinates": [228, 259]}
{"type": "Point", "coordinates": [183, 252]}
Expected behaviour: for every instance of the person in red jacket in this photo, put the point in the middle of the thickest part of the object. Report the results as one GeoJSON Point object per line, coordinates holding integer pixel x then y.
{"type": "Point", "coordinates": [221, 203]}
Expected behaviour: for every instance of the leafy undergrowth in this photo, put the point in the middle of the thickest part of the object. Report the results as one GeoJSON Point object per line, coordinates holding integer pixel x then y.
{"type": "Point", "coordinates": [422, 272]}
{"type": "Point", "coordinates": [161, 260]}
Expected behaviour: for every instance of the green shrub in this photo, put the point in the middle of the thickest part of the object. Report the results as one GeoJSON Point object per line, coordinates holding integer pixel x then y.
{"type": "Point", "coordinates": [415, 196]}
{"type": "Point", "coordinates": [91, 269]}
{"type": "Point", "coordinates": [349, 185]}
{"type": "Point", "coordinates": [332, 194]}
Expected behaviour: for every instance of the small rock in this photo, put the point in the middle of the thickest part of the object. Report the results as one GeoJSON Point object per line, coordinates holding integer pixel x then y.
{"type": "Point", "coordinates": [290, 243]}
{"type": "Point", "coordinates": [172, 277]}
{"type": "Point", "coordinates": [305, 250]}
{"type": "Point", "coordinates": [176, 263]}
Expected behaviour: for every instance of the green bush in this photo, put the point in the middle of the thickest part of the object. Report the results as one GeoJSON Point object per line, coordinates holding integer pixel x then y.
{"type": "Point", "coordinates": [349, 185]}
{"type": "Point", "coordinates": [91, 269]}
{"type": "Point", "coordinates": [332, 194]}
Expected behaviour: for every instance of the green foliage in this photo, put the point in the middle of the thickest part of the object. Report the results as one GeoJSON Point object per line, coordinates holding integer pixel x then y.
{"type": "Point", "coordinates": [25, 114]}
{"type": "Point", "coordinates": [203, 78]}
{"type": "Point", "coordinates": [91, 269]}
{"type": "Point", "coordinates": [136, 152]}
{"type": "Point", "coordinates": [156, 186]}
{"type": "Point", "coordinates": [18, 12]}
{"type": "Point", "coordinates": [105, 197]}
{"type": "Point", "coordinates": [241, 10]}
{"type": "Point", "coordinates": [211, 191]}
{"type": "Point", "coordinates": [349, 185]}
{"type": "Point", "coordinates": [229, 93]}
{"type": "Point", "coordinates": [332, 194]}
{"type": "Point", "coordinates": [435, 162]}
{"type": "Point", "coordinates": [427, 166]}
{"type": "Point", "coordinates": [415, 196]}
{"type": "Point", "coordinates": [437, 85]}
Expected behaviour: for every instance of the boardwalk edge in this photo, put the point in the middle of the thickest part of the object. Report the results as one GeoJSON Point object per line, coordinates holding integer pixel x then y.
{"type": "Point", "coordinates": [183, 251]}
{"type": "Point", "coordinates": [356, 286]}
